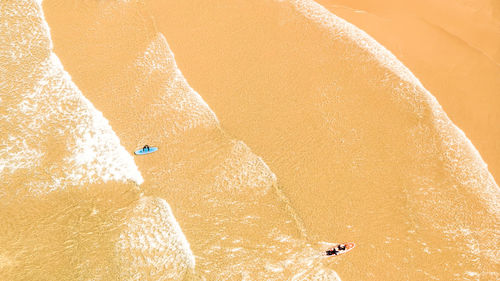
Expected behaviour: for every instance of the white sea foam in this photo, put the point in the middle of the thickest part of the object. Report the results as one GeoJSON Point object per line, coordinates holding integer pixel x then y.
{"type": "Point", "coordinates": [244, 169]}
{"type": "Point", "coordinates": [236, 179]}
{"type": "Point", "coordinates": [189, 108]}
{"type": "Point", "coordinates": [53, 137]}
{"type": "Point", "coordinates": [466, 163]}
{"type": "Point", "coordinates": [45, 111]}
{"type": "Point", "coordinates": [152, 236]}
{"type": "Point", "coordinates": [338, 27]}
{"type": "Point", "coordinates": [98, 149]}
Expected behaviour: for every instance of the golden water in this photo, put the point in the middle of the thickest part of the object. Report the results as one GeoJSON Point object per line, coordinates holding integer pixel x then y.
{"type": "Point", "coordinates": [287, 130]}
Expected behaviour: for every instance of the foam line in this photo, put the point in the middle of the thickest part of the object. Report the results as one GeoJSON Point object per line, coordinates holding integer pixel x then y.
{"type": "Point", "coordinates": [46, 106]}
{"type": "Point", "coordinates": [479, 178]}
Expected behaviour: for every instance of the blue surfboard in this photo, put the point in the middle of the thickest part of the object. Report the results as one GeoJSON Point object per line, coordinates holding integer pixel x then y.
{"type": "Point", "coordinates": [146, 151]}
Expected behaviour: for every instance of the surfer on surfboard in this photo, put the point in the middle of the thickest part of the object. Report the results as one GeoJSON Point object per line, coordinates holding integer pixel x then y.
{"type": "Point", "coordinates": [340, 249]}
{"type": "Point", "coordinates": [146, 150]}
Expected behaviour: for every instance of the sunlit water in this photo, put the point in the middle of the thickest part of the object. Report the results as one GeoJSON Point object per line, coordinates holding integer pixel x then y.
{"type": "Point", "coordinates": [303, 131]}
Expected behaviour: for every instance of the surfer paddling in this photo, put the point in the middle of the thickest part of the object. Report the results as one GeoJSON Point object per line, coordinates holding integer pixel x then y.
{"type": "Point", "coordinates": [339, 249]}
{"type": "Point", "coordinates": [146, 150]}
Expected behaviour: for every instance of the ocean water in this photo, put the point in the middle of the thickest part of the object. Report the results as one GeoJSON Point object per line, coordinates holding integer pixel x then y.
{"type": "Point", "coordinates": [303, 131]}
{"type": "Point", "coordinates": [70, 201]}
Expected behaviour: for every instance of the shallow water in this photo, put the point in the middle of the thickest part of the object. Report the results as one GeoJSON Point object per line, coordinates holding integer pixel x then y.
{"type": "Point", "coordinates": [287, 130]}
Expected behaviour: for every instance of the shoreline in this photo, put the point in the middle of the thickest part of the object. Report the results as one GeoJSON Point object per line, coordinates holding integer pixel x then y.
{"type": "Point", "coordinates": [464, 78]}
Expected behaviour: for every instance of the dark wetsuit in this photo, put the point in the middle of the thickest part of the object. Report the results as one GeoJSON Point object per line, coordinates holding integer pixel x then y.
{"type": "Point", "coordinates": [332, 252]}
{"type": "Point", "coordinates": [342, 247]}
{"type": "Point", "coordinates": [145, 147]}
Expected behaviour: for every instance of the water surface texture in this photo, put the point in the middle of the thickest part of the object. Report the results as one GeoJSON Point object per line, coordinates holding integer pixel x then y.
{"type": "Point", "coordinates": [281, 129]}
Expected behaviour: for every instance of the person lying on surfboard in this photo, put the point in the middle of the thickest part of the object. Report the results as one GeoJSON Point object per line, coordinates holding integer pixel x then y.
{"type": "Point", "coordinates": [334, 251]}
{"type": "Point", "coordinates": [146, 150]}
